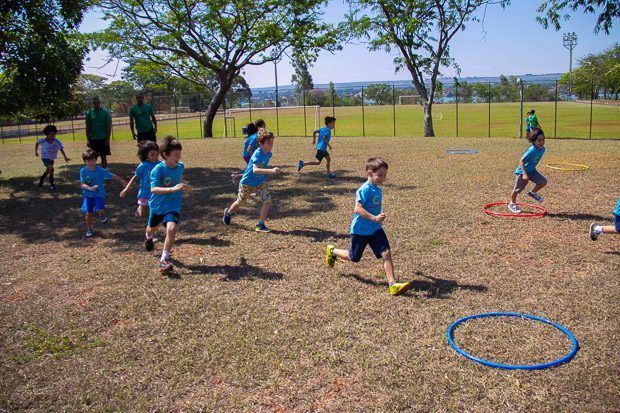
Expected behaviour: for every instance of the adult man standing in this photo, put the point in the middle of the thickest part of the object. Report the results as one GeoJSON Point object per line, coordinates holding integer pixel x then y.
{"type": "Point", "coordinates": [145, 120]}
{"type": "Point", "coordinates": [98, 130]}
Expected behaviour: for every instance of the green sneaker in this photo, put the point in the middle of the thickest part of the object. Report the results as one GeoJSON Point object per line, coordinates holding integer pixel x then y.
{"type": "Point", "coordinates": [330, 258]}
{"type": "Point", "coordinates": [398, 288]}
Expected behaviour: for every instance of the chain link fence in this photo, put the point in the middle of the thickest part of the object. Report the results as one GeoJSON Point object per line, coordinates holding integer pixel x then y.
{"type": "Point", "coordinates": [482, 109]}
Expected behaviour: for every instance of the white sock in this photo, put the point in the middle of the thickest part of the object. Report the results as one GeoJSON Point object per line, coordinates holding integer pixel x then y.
{"type": "Point", "coordinates": [598, 229]}
{"type": "Point", "coordinates": [164, 255]}
{"type": "Point", "coordinates": [147, 235]}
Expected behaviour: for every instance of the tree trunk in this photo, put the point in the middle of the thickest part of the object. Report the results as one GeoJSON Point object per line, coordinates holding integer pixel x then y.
{"type": "Point", "coordinates": [226, 83]}
{"type": "Point", "coordinates": [428, 119]}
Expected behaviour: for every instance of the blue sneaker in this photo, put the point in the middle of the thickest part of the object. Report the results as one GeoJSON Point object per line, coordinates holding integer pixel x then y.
{"type": "Point", "coordinates": [301, 165]}
{"type": "Point", "coordinates": [330, 175]}
{"type": "Point", "coordinates": [226, 218]}
{"type": "Point", "coordinates": [262, 228]}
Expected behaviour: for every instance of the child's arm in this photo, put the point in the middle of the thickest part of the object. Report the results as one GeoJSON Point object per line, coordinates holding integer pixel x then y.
{"type": "Point", "coordinates": [65, 155]}
{"type": "Point", "coordinates": [314, 136]}
{"type": "Point", "coordinates": [131, 181]}
{"type": "Point", "coordinates": [522, 165]}
{"type": "Point", "coordinates": [250, 150]}
{"type": "Point", "coordinates": [36, 149]}
{"type": "Point", "coordinates": [159, 190]}
{"type": "Point", "coordinates": [131, 126]}
{"type": "Point", "coordinates": [264, 171]}
{"type": "Point", "coordinates": [89, 188]}
{"type": "Point", "coordinates": [359, 210]}
{"type": "Point", "coordinates": [327, 143]}
{"type": "Point", "coordinates": [119, 180]}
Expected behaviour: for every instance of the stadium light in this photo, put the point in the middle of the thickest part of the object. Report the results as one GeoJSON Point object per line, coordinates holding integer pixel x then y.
{"type": "Point", "coordinates": [570, 41]}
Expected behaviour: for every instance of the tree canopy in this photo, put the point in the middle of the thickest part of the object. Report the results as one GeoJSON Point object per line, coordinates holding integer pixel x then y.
{"type": "Point", "coordinates": [551, 10]}
{"type": "Point", "coordinates": [205, 40]}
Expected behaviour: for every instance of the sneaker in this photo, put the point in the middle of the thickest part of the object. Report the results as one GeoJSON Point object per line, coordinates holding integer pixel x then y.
{"type": "Point", "coordinates": [52, 187]}
{"type": "Point", "coordinates": [330, 258]}
{"type": "Point", "coordinates": [593, 235]}
{"type": "Point", "coordinates": [514, 208]}
{"type": "Point", "coordinates": [137, 213]}
{"type": "Point", "coordinates": [300, 165]}
{"type": "Point", "coordinates": [165, 266]}
{"type": "Point", "coordinates": [398, 288]}
{"type": "Point", "coordinates": [103, 218]}
{"type": "Point", "coordinates": [89, 232]}
{"type": "Point", "coordinates": [41, 181]}
{"type": "Point", "coordinates": [262, 228]}
{"type": "Point", "coordinates": [330, 175]}
{"type": "Point", "coordinates": [535, 196]}
{"type": "Point", "coordinates": [226, 217]}
{"type": "Point", "coordinates": [149, 244]}
{"type": "Point", "coordinates": [233, 177]}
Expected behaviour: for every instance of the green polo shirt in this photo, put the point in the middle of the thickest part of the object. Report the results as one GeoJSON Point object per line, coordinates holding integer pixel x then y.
{"type": "Point", "coordinates": [98, 121]}
{"type": "Point", "coordinates": [142, 114]}
{"type": "Point", "coordinates": [533, 121]}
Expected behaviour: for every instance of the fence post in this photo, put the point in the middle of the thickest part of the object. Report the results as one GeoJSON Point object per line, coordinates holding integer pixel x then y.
{"type": "Point", "coordinates": [520, 82]}
{"type": "Point", "coordinates": [363, 122]}
{"type": "Point", "coordinates": [591, 102]}
{"type": "Point", "coordinates": [250, 103]}
{"type": "Point", "coordinates": [303, 94]}
{"type": "Point", "coordinates": [2, 133]}
{"type": "Point", "coordinates": [333, 107]}
{"type": "Point", "coordinates": [394, 108]}
{"type": "Point", "coordinates": [555, 115]}
{"type": "Point", "coordinates": [489, 109]}
{"type": "Point", "coordinates": [456, 84]}
{"type": "Point", "coordinates": [19, 131]}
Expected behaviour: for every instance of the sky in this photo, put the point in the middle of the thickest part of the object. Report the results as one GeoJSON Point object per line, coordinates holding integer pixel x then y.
{"type": "Point", "coordinates": [509, 42]}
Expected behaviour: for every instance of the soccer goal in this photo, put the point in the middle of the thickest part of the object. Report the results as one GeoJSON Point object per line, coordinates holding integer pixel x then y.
{"type": "Point", "coordinates": [285, 115]}
{"type": "Point", "coordinates": [409, 100]}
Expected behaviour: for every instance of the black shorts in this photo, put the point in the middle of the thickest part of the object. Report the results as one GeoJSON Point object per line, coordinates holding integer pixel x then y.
{"type": "Point", "coordinates": [147, 136]}
{"type": "Point", "coordinates": [100, 146]}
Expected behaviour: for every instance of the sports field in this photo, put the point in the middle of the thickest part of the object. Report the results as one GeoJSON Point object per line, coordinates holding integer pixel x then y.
{"type": "Point", "coordinates": [256, 322]}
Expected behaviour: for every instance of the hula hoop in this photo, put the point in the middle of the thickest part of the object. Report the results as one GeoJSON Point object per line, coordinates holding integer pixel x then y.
{"type": "Point", "coordinates": [544, 211]}
{"type": "Point", "coordinates": [462, 151]}
{"type": "Point", "coordinates": [508, 366]}
{"type": "Point", "coordinates": [580, 167]}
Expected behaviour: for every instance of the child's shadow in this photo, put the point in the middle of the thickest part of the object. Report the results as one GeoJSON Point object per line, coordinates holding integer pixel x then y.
{"type": "Point", "coordinates": [439, 288]}
{"type": "Point", "coordinates": [236, 272]}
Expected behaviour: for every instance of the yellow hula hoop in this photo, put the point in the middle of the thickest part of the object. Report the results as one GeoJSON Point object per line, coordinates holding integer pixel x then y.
{"type": "Point", "coordinates": [580, 167]}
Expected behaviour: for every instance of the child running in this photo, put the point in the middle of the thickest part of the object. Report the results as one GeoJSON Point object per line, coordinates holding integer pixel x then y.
{"type": "Point", "coordinates": [526, 171]}
{"type": "Point", "coordinates": [325, 135]}
{"type": "Point", "coordinates": [528, 127]}
{"type": "Point", "coordinates": [165, 202]}
{"type": "Point", "coordinates": [91, 179]}
{"type": "Point", "coordinates": [250, 145]}
{"type": "Point", "coordinates": [596, 230]}
{"type": "Point", "coordinates": [148, 152]}
{"type": "Point", "coordinates": [49, 152]}
{"type": "Point", "coordinates": [253, 180]}
{"type": "Point", "coordinates": [366, 228]}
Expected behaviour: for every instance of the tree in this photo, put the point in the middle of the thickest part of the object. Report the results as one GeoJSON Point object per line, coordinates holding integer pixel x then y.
{"type": "Point", "coordinates": [420, 30]}
{"type": "Point", "coordinates": [301, 78]}
{"type": "Point", "coordinates": [381, 93]}
{"type": "Point", "coordinates": [597, 72]}
{"type": "Point", "coordinates": [202, 41]}
{"type": "Point", "coordinates": [550, 10]}
{"type": "Point", "coordinates": [40, 56]}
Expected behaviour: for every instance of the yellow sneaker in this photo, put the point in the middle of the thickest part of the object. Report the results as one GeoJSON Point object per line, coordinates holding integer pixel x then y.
{"type": "Point", "coordinates": [398, 288]}
{"type": "Point", "coordinates": [330, 259]}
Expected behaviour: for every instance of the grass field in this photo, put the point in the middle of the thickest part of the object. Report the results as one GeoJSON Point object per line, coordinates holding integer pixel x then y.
{"type": "Point", "coordinates": [258, 323]}
{"type": "Point", "coordinates": [573, 121]}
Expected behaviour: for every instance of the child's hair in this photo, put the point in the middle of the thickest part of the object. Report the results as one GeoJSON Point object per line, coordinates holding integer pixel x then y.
{"type": "Point", "coordinates": [263, 136]}
{"type": "Point", "coordinates": [532, 111]}
{"type": "Point", "coordinates": [253, 127]}
{"type": "Point", "coordinates": [90, 154]}
{"type": "Point", "coordinates": [534, 134]}
{"type": "Point", "coordinates": [146, 147]}
{"type": "Point", "coordinates": [169, 144]}
{"type": "Point", "coordinates": [529, 113]}
{"type": "Point", "coordinates": [48, 129]}
{"type": "Point", "coordinates": [374, 164]}
{"type": "Point", "coordinates": [329, 119]}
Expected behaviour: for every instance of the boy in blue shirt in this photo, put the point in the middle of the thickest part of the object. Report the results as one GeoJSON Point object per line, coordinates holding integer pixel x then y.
{"type": "Point", "coordinates": [91, 179]}
{"type": "Point", "coordinates": [325, 135]}
{"type": "Point", "coordinates": [49, 152]}
{"type": "Point", "coordinates": [165, 203]}
{"type": "Point", "coordinates": [366, 228]}
{"type": "Point", "coordinates": [253, 180]}
{"type": "Point", "coordinates": [596, 230]}
{"type": "Point", "coordinates": [526, 171]}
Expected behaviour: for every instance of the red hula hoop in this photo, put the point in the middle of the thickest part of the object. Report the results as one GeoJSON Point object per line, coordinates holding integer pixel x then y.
{"type": "Point", "coordinates": [544, 211]}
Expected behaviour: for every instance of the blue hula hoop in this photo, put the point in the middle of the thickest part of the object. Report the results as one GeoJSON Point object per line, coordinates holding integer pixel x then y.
{"type": "Point", "coordinates": [462, 151]}
{"type": "Point", "coordinates": [508, 366]}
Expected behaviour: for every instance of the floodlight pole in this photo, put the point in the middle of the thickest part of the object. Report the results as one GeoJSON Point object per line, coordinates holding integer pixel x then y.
{"type": "Point", "coordinates": [520, 83]}
{"type": "Point", "coordinates": [570, 41]}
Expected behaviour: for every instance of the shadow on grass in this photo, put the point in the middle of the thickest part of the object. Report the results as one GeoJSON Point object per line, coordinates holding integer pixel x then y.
{"type": "Point", "coordinates": [577, 216]}
{"type": "Point", "coordinates": [235, 272]}
{"type": "Point", "coordinates": [316, 234]}
{"type": "Point", "coordinates": [439, 288]}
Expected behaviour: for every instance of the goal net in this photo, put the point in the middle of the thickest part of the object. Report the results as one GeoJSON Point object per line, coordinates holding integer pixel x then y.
{"type": "Point", "coordinates": [409, 100]}
{"type": "Point", "coordinates": [289, 118]}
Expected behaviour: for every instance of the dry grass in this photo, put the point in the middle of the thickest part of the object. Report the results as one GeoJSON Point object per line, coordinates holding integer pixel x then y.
{"type": "Point", "coordinates": [256, 322]}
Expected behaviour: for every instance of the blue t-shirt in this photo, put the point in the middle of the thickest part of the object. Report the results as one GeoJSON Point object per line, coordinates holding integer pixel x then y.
{"type": "Point", "coordinates": [323, 132]}
{"type": "Point", "coordinates": [92, 178]}
{"type": "Point", "coordinates": [531, 157]}
{"type": "Point", "coordinates": [143, 171]}
{"type": "Point", "coordinates": [164, 177]}
{"type": "Point", "coordinates": [251, 140]}
{"type": "Point", "coordinates": [370, 196]}
{"type": "Point", "coordinates": [617, 210]}
{"type": "Point", "coordinates": [249, 177]}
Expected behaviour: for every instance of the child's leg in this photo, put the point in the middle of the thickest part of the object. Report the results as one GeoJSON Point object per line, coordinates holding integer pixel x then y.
{"type": "Point", "coordinates": [171, 232]}
{"type": "Point", "coordinates": [388, 265]}
{"type": "Point", "coordinates": [233, 208]}
{"type": "Point", "coordinates": [539, 187]}
{"type": "Point", "coordinates": [610, 229]}
{"type": "Point", "coordinates": [513, 197]}
{"type": "Point", "coordinates": [344, 254]}
{"type": "Point", "coordinates": [264, 211]}
{"type": "Point", "coordinates": [311, 163]}
{"type": "Point", "coordinates": [89, 221]}
{"type": "Point", "coordinates": [101, 212]}
{"type": "Point", "coordinates": [328, 159]}
{"type": "Point", "coordinates": [143, 211]}
{"type": "Point", "coordinates": [150, 231]}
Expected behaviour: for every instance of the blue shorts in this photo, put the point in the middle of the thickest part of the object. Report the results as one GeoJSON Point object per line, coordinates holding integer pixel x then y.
{"type": "Point", "coordinates": [521, 183]}
{"type": "Point", "coordinates": [378, 242]}
{"type": "Point", "coordinates": [617, 222]}
{"type": "Point", "coordinates": [156, 219]}
{"type": "Point", "coordinates": [91, 204]}
{"type": "Point", "coordinates": [321, 154]}
{"type": "Point", "coordinates": [47, 162]}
